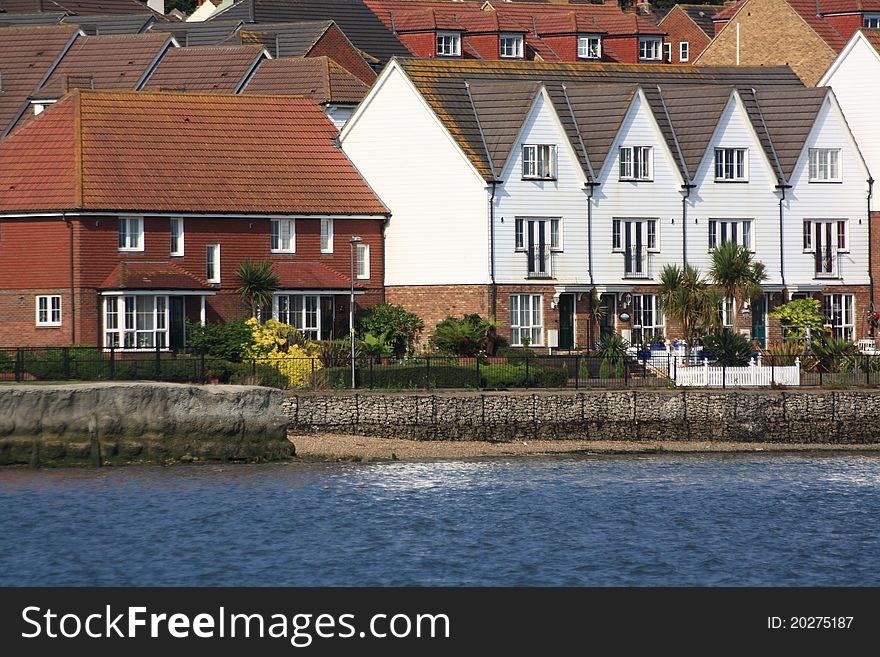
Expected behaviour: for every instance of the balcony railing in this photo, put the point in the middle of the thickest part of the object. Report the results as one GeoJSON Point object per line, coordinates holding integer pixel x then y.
{"type": "Point", "coordinates": [827, 264]}
{"type": "Point", "coordinates": [637, 263]}
{"type": "Point", "coordinates": [540, 262]}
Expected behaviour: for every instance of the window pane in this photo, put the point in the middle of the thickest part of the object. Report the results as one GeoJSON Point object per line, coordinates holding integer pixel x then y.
{"type": "Point", "coordinates": [519, 234]}
{"type": "Point", "coordinates": [747, 234]}
{"type": "Point", "coordinates": [554, 233]}
{"type": "Point", "coordinates": [652, 234]}
{"type": "Point", "coordinates": [615, 234]}
{"type": "Point", "coordinates": [841, 235]}
{"type": "Point", "coordinates": [808, 236]}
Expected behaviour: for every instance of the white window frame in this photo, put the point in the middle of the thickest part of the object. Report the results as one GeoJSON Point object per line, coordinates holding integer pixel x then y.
{"type": "Point", "coordinates": [362, 262]}
{"type": "Point", "coordinates": [281, 230]}
{"type": "Point", "coordinates": [326, 235]}
{"type": "Point", "coordinates": [731, 166]}
{"type": "Point", "coordinates": [650, 49]}
{"type": "Point", "coordinates": [841, 310]}
{"type": "Point", "coordinates": [667, 52]}
{"type": "Point", "coordinates": [554, 232]}
{"type": "Point", "coordinates": [212, 263]}
{"type": "Point", "coordinates": [871, 21]}
{"type": "Point", "coordinates": [721, 231]}
{"type": "Point", "coordinates": [48, 309]}
{"type": "Point", "coordinates": [130, 326]}
{"type": "Point", "coordinates": [636, 163]}
{"type": "Point", "coordinates": [302, 311]}
{"type": "Point", "coordinates": [841, 232]}
{"type": "Point", "coordinates": [589, 46]}
{"type": "Point", "coordinates": [725, 311]}
{"type": "Point", "coordinates": [177, 236]}
{"type": "Point", "coordinates": [642, 331]}
{"type": "Point", "coordinates": [651, 232]}
{"type": "Point", "coordinates": [519, 312]}
{"type": "Point", "coordinates": [448, 44]}
{"type": "Point", "coordinates": [130, 234]}
{"type": "Point", "coordinates": [510, 46]}
{"type": "Point", "coordinates": [684, 51]}
{"type": "Point", "coordinates": [824, 165]}
{"type": "Point", "coordinates": [539, 161]}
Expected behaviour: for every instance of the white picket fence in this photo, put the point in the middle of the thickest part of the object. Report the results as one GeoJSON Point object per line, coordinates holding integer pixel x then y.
{"type": "Point", "coordinates": [754, 374]}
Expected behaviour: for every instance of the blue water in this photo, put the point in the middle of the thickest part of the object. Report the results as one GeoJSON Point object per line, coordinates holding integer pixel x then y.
{"type": "Point", "coordinates": [773, 520]}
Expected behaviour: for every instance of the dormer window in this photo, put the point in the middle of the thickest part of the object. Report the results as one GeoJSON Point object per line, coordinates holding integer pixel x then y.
{"type": "Point", "coordinates": [538, 161]}
{"type": "Point", "coordinates": [731, 164]}
{"type": "Point", "coordinates": [589, 47]}
{"type": "Point", "coordinates": [650, 48]}
{"type": "Point", "coordinates": [448, 44]}
{"type": "Point", "coordinates": [512, 46]}
{"type": "Point", "coordinates": [872, 21]}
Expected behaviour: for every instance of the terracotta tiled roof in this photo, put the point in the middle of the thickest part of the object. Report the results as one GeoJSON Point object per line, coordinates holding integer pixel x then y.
{"type": "Point", "coordinates": [846, 6]}
{"type": "Point", "coordinates": [118, 61]}
{"type": "Point", "coordinates": [311, 276]}
{"type": "Point", "coordinates": [873, 37]}
{"type": "Point", "coordinates": [26, 55]}
{"type": "Point", "coordinates": [213, 69]}
{"type": "Point", "coordinates": [318, 78]}
{"type": "Point", "coordinates": [151, 276]}
{"type": "Point", "coordinates": [806, 9]}
{"type": "Point", "coordinates": [286, 39]}
{"type": "Point", "coordinates": [701, 15]}
{"type": "Point", "coordinates": [205, 33]}
{"type": "Point", "coordinates": [165, 152]}
{"type": "Point", "coordinates": [727, 14]}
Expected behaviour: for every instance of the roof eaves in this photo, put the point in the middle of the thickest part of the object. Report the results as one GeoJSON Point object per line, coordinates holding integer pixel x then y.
{"type": "Point", "coordinates": [679, 155]}
{"type": "Point", "coordinates": [777, 165]}
{"type": "Point", "coordinates": [170, 41]}
{"type": "Point", "coordinates": [467, 87]}
{"type": "Point", "coordinates": [591, 174]}
{"type": "Point", "coordinates": [255, 64]}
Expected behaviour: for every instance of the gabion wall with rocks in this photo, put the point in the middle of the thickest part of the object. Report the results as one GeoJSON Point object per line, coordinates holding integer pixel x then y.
{"type": "Point", "coordinates": [821, 416]}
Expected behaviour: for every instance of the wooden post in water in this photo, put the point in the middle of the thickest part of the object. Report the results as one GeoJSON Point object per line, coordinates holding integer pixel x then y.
{"type": "Point", "coordinates": [35, 455]}
{"type": "Point", "coordinates": [94, 443]}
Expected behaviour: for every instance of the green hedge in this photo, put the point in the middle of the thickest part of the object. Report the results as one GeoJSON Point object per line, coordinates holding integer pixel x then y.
{"type": "Point", "coordinates": [442, 376]}
{"type": "Point", "coordinates": [514, 376]}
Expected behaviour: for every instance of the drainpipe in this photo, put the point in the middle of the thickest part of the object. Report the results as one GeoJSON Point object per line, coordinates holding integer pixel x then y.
{"type": "Point", "coordinates": [592, 187]}
{"type": "Point", "coordinates": [69, 223]}
{"type": "Point", "coordinates": [493, 302]}
{"type": "Point", "coordinates": [870, 254]}
{"type": "Point", "coordinates": [686, 188]}
{"type": "Point", "coordinates": [782, 189]}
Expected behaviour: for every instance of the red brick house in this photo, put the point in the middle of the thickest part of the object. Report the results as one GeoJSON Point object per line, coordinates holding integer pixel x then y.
{"type": "Point", "coordinates": [689, 30]}
{"type": "Point", "coordinates": [122, 214]}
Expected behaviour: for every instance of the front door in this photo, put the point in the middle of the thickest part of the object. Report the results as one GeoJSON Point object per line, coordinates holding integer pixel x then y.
{"type": "Point", "coordinates": [759, 321]}
{"type": "Point", "coordinates": [566, 321]}
{"type": "Point", "coordinates": [606, 318]}
{"type": "Point", "coordinates": [177, 337]}
{"type": "Point", "coordinates": [327, 318]}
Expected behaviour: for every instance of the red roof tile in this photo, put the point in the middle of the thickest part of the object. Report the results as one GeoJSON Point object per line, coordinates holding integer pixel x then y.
{"type": "Point", "coordinates": [214, 69]}
{"type": "Point", "coordinates": [318, 78]}
{"type": "Point", "coordinates": [873, 37]}
{"type": "Point", "coordinates": [727, 14]}
{"type": "Point", "coordinates": [847, 6]}
{"type": "Point", "coordinates": [26, 55]}
{"type": "Point", "coordinates": [311, 276]}
{"type": "Point", "coordinates": [164, 152]}
{"type": "Point", "coordinates": [806, 9]}
{"type": "Point", "coordinates": [151, 276]}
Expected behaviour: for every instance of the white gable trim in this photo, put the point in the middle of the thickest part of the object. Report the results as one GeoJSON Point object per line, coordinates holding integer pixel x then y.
{"type": "Point", "coordinates": [838, 61]}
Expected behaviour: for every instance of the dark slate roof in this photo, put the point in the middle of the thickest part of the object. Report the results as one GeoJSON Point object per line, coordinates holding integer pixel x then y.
{"type": "Point", "coordinates": [442, 83]}
{"type": "Point", "coordinates": [353, 17]}
{"type": "Point", "coordinates": [241, 11]}
{"type": "Point", "coordinates": [602, 107]}
{"type": "Point", "coordinates": [205, 69]}
{"type": "Point", "coordinates": [39, 18]}
{"type": "Point", "coordinates": [112, 24]}
{"type": "Point", "coordinates": [702, 15]}
{"type": "Point", "coordinates": [206, 33]}
{"type": "Point", "coordinates": [82, 7]}
{"type": "Point", "coordinates": [285, 39]}
{"type": "Point", "coordinates": [318, 78]}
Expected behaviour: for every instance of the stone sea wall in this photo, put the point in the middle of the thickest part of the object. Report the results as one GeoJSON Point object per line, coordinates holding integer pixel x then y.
{"type": "Point", "coordinates": [820, 416]}
{"type": "Point", "coordinates": [140, 422]}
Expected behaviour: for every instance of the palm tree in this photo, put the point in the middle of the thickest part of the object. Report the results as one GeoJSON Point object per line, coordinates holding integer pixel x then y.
{"type": "Point", "coordinates": [258, 282]}
{"type": "Point", "coordinates": [685, 297]}
{"type": "Point", "coordinates": [737, 276]}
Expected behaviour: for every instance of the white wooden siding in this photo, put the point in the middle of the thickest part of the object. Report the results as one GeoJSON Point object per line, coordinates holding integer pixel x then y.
{"type": "Point", "coordinates": [563, 198]}
{"type": "Point", "coordinates": [438, 231]}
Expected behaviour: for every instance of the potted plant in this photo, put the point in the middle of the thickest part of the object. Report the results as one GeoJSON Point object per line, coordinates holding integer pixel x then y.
{"type": "Point", "coordinates": [658, 343]}
{"type": "Point", "coordinates": [644, 351]}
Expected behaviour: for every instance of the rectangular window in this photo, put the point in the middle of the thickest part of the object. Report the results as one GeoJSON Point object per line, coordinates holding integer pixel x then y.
{"type": "Point", "coordinates": [526, 320]}
{"type": "Point", "coordinates": [49, 310]}
{"type": "Point", "coordinates": [684, 51]}
{"type": "Point", "coordinates": [448, 44]}
{"type": "Point", "coordinates": [840, 309]}
{"type": "Point", "coordinates": [302, 311]}
{"type": "Point", "coordinates": [131, 233]}
{"type": "Point", "coordinates": [647, 320]}
{"type": "Point", "coordinates": [512, 46]}
{"type": "Point", "coordinates": [635, 238]}
{"type": "Point", "coordinates": [825, 239]}
{"type": "Point", "coordinates": [649, 48]}
{"type": "Point", "coordinates": [872, 21]}
{"type": "Point", "coordinates": [538, 237]}
{"type": "Point", "coordinates": [176, 236]}
{"type": "Point", "coordinates": [590, 47]}
{"type": "Point", "coordinates": [143, 325]}
{"type": "Point", "coordinates": [520, 244]}
{"type": "Point", "coordinates": [362, 268]}
{"type": "Point", "coordinates": [667, 52]}
{"type": "Point", "coordinates": [282, 236]}
{"type": "Point", "coordinates": [212, 263]}
{"type": "Point", "coordinates": [738, 231]}
{"type": "Point", "coordinates": [725, 312]}
{"type": "Point", "coordinates": [636, 163]}
{"type": "Point", "coordinates": [824, 165]}
{"type": "Point", "coordinates": [326, 236]}
{"type": "Point", "coordinates": [731, 164]}
{"type": "Point", "coordinates": [539, 161]}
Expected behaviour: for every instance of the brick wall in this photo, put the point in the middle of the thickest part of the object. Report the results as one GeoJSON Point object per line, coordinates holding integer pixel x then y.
{"type": "Point", "coordinates": [875, 257]}
{"type": "Point", "coordinates": [621, 49]}
{"type": "Point", "coordinates": [420, 44]}
{"type": "Point", "coordinates": [434, 303]}
{"type": "Point", "coordinates": [846, 24]}
{"type": "Point", "coordinates": [681, 28]}
{"type": "Point", "coordinates": [771, 34]}
{"type": "Point", "coordinates": [487, 45]}
{"type": "Point", "coordinates": [335, 45]}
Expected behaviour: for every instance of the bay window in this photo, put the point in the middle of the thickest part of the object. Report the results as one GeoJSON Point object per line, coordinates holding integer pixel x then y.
{"type": "Point", "coordinates": [136, 321]}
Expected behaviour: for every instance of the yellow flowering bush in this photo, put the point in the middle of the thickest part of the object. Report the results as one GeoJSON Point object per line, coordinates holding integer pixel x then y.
{"type": "Point", "coordinates": [275, 344]}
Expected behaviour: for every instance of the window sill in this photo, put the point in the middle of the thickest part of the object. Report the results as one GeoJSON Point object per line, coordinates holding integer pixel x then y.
{"type": "Point", "coordinates": [277, 252]}
{"type": "Point", "coordinates": [538, 178]}
{"type": "Point", "coordinates": [589, 59]}
{"type": "Point", "coordinates": [440, 54]}
{"type": "Point", "coordinates": [826, 182]}
{"type": "Point", "coordinates": [136, 350]}
{"type": "Point", "coordinates": [130, 250]}
{"type": "Point", "coordinates": [636, 180]}
{"type": "Point", "coordinates": [48, 326]}
{"type": "Point", "coordinates": [176, 255]}
{"type": "Point", "coordinates": [732, 180]}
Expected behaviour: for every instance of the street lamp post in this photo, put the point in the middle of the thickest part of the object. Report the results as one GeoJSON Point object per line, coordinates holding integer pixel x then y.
{"type": "Point", "coordinates": [352, 243]}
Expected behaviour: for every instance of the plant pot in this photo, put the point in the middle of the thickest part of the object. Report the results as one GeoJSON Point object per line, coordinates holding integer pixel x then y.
{"type": "Point", "coordinates": [658, 347]}
{"type": "Point", "coordinates": [644, 354]}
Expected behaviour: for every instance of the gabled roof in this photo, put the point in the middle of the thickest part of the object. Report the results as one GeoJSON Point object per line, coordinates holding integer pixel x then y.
{"type": "Point", "coordinates": [872, 37]}
{"type": "Point", "coordinates": [152, 276]}
{"type": "Point", "coordinates": [209, 69]}
{"type": "Point", "coordinates": [806, 9]}
{"type": "Point", "coordinates": [297, 275]}
{"type": "Point", "coordinates": [81, 7]}
{"type": "Point", "coordinates": [26, 56]}
{"type": "Point", "coordinates": [727, 13]}
{"type": "Point", "coordinates": [181, 153]}
{"type": "Point", "coordinates": [442, 84]}
{"type": "Point", "coordinates": [848, 6]}
{"type": "Point", "coordinates": [285, 39]}
{"type": "Point", "coordinates": [701, 15]}
{"type": "Point", "coordinates": [353, 17]}
{"type": "Point", "coordinates": [24, 18]}
{"type": "Point", "coordinates": [118, 61]}
{"type": "Point", "coordinates": [113, 23]}
{"type": "Point", "coordinates": [603, 108]}
{"type": "Point", "coordinates": [317, 78]}
{"type": "Point", "coordinates": [205, 33]}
